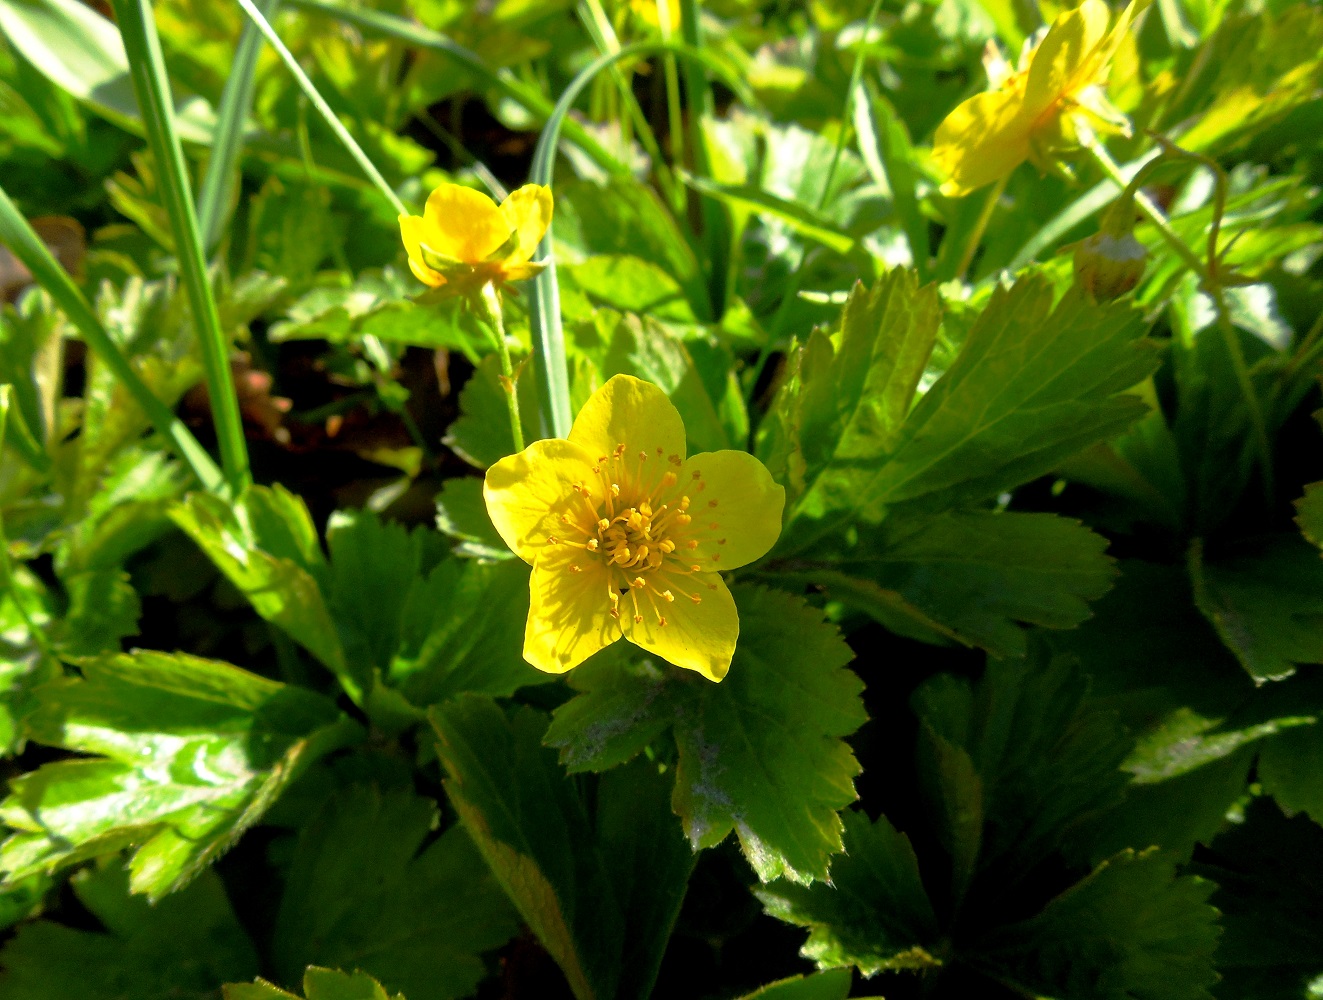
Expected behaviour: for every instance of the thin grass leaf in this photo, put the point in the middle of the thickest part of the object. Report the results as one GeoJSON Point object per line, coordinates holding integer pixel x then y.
{"type": "Point", "coordinates": [876, 119]}
{"type": "Point", "coordinates": [219, 182]}
{"type": "Point", "coordinates": [310, 91]}
{"type": "Point", "coordinates": [16, 234]}
{"type": "Point", "coordinates": [531, 99]}
{"type": "Point", "coordinates": [544, 308]}
{"type": "Point", "coordinates": [152, 87]}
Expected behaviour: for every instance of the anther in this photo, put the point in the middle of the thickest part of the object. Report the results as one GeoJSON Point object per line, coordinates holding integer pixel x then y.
{"type": "Point", "coordinates": [675, 460]}
{"type": "Point", "coordinates": [695, 568]}
{"type": "Point", "coordinates": [711, 503]}
{"type": "Point", "coordinates": [615, 490]}
{"type": "Point", "coordinates": [698, 474]}
{"type": "Point", "coordinates": [592, 544]}
{"type": "Point", "coordinates": [716, 556]}
{"type": "Point", "coordinates": [691, 544]}
{"type": "Point", "coordinates": [576, 568]}
{"type": "Point", "coordinates": [661, 621]}
{"type": "Point", "coordinates": [603, 524]}
{"type": "Point", "coordinates": [696, 599]}
{"type": "Point", "coordinates": [620, 450]}
{"type": "Point", "coordinates": [668, 480]}
{"type": "Point", "coordinates": [615, 612]}
{"type": "Point", "coordinates": [643, 456]}
{"type": "Point", "coordinates": [638, 619]}
{"type": "Point", "coordinates": [553, 540]}
{"type": "Point", "coordinates": [638, 583]}
{"type": "Point", "coordinates": [667, 595]}
{"type": "Point", "coordinates": [720, 541]}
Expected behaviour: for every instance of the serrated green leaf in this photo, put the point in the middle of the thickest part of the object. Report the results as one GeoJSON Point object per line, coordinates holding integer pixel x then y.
{"type": "Point", "coordinates": [270, 552]}
{"type": "Point", "coordinates": [1265, 599]}
{"type": "Point", "coordinates": [831, 985]}
{"type": "Point", "coordinates": [1046, 761]}
{"type": "Point", "coordinates": [1309, 513]}
{"type": "Point", "coordinates": [1269, 881]}
{"type": "Point", "coordinates": [103, 609]}
{"type": "Point", "coordinates": [625, 283]}
{"type": "Point", "coordinates": [1291, 767]}
{"type": "Point", "coordinates": [24, 665]}
{"type": "Point", "coordinates": [363, 892]}
{"type": "Point", "coordinates": [1133, 928]}
{"type": "Point", "coordinates": [972, 576]}
{"type": "Point", "coordinates": [1040, 382]}
{"type": "Point", "coordinates": [182, 947]}
{"type": "Point", "coordinates": [845, 401]}
{"type": "Point", "coordinates": [191, 752]}
{"type": "Point", "coordinates": [761, 753]}
{"type": "Point", "coordinates": [875, 914]}
{"type": "Point", "coordinates": [600, 895]}
{"type": "Point", "coordinates": [318, 984]}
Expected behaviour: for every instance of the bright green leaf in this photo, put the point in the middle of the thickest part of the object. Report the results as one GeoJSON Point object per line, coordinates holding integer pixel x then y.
{"type": "Point", "coordinates": [761, 753]}
{"type": "Point", "coordinates": [189, 754]}
{"type": "Point", "coordinates": [831, 985]}
{"type": "Point", "coordinates": [461, 513]}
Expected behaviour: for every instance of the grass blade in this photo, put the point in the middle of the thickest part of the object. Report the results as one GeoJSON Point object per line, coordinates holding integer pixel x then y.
{"type": "Point", "coordinates": [153, 92]}
{"type": "Point", "coordinates": [544, 309]}
{"type": "Point", "coordinates": [311, 92]}
{"type": "Point", "coordinates": [219, 182]}
{"type": "Point", "coordinates": [16, 234]}
{"type": "Point", "coordinates": [531, 99]}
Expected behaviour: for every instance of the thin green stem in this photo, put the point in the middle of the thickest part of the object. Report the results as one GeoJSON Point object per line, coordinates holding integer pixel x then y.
{"type": "Point", "coordinates": [674, 111]}
{"type": "Point", "coordinates": [975, 236]}
{"type": "Point", "coordinates": [152, 89]}
{"type": "Point", "coordinates": [491, 301]}
{"type": "Point", "coordinates": [324, 109]}
{"type": "Point", "coordinates": [1210, 280]}
{"type": "Point", "coordinates": [221, 178]}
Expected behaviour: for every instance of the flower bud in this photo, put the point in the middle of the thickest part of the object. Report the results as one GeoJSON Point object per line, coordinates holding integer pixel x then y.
{"type": "Point", "coordinates": [1110, 263]}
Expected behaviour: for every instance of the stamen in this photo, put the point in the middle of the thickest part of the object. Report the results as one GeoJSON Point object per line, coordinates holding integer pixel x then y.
{"type": "Point", "coordinates": [711, 503]}
{"type": "Point", "coordinates": [576, 568]}
{"type": "Point", "coordinates": [675, 460]}
{"type": "Point", "coordinates": [668, 480]}
{"type": "Point", "coordinates": [668, 596]}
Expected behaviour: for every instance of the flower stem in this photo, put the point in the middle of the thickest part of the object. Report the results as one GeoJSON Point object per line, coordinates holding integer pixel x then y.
{"type": "Point", "coordinates": [975, 236]}
{"type": "Point", "coordinates": [1209, 280]}
{"type": "Point", "coordinates": [491, 301]}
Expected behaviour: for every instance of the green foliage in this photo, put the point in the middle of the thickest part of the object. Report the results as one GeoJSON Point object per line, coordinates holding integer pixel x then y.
{"type": "Point", "coordinates": [188, 753]}
{"type": "Point", "coordinates": [183, 946]}
{"type": "Point", "coordinates": [601, 888]}
{"type": "Point", "coordinates": [364, 890]}
{"type": "Point", "coordinates": [1025, 698]}
{"type": "Point", "coordinates": [768, 737]}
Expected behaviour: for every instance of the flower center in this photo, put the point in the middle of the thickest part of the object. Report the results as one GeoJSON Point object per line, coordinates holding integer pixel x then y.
{"type": "Point", "coordinates": [641, 530]}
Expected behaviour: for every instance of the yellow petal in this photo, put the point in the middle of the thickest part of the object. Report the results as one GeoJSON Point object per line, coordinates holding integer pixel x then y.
{"type": "Point", "coordinates": [527, 212]}
{"type": "Point", "coordinates": [528, 493]}
{"type": "Point", "coordinates": [737, 512]}
{"type": "Point", "coordinates": [697, 635]}
{"type": "Point", "coordinates": [628, 411]}
{"type": "Point", "coordinates": [1066, 58]}
{"type": "Point", "coordinates": [464, 224]}
{"type": "Point", "coordinates": [981, 141]}
{"type": "Point", "coordinates": [569, 615]}
{"type": "Point", "coordinates": [411, 232]}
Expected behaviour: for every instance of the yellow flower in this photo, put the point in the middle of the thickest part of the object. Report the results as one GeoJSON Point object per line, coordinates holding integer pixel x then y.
{"type": "Point", "coordinates": [627, 537]}
{"type": "Point", "coordinates": [464, 240]}
{"type": "Point", "coordinates": [1031, 114]}
{"type": "Point", "coordinates": [650, 11]}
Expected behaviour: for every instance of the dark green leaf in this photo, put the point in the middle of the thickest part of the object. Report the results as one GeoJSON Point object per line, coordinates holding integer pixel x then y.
{"type": "Point", "coordinates": [180, 948]}
{"type": "Point", "coordinates": [601, 893]}
{"type": "Point", "coordinates": [191, 752]}
{"type": "Point", "coordinates": [103, 609]}
{"type": "Point", "coordinates": [760, 753]}
{"type": "Point", "coordinates": [971, 575]}
{"type": "Point", "coordinates": [1046, 761]}
{"type": "Point", "coordinates": [1309, 513]}
{"type": "Point", "coordinates": [875, 914]}
{"type": "Point", "coordinates": [1265, 599]}
{"type": "Point", "coordinates": [364, 892]}
{"type": "Point", "coordinates": [481, 434]}
{"type": "Point", "coordinates": [1133, 928]}
{"type": "Point", "coordinates": [1269, 881]}
{"type": "Point", "coordinates": [318, 984]}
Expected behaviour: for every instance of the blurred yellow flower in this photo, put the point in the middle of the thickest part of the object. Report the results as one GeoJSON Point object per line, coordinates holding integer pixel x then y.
{"type": "Point", "coordinates": [650, 11]}
{"type": "Point", "coordinates": [463, 240]}
{"type": "Point", "coordinates": [627, 536]}
{"type": "Point", "coordinates": [1032, 113]}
